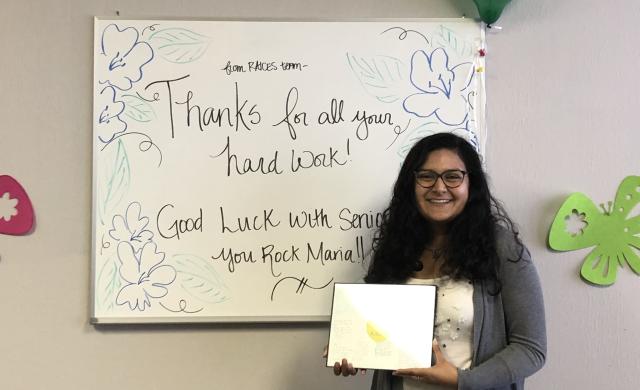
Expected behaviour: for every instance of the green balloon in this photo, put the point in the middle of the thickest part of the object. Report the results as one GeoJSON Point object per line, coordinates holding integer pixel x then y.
{"type": "Point", "coordinates": [490, 10]}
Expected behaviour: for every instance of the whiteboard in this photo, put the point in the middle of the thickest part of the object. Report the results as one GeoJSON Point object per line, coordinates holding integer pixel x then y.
{"type": "Point", "coordinates": [240, 168]}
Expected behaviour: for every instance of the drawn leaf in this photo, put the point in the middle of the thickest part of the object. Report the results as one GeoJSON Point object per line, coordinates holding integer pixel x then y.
{"type": "Point", "coordinates": [382, 77]}
{"type": "Point", "coordinates": [115, 179]}
{"type": "Point", "coordinates": [137, 109]}
{"type": "Point", "coordinates": [447, 38]}
{"type": "Point", "coordinates": [198, 278]}
{"type": "Point", "coordinates": [179, 45]}
{"type": "Point", "coordinates": [108, 285]}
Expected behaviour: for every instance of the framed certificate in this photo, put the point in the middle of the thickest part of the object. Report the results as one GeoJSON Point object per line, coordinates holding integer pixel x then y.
{"type": "Point", "coordinates": [382, 326]}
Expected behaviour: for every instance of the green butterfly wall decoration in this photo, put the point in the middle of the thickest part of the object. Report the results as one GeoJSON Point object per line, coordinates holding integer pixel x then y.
{"type": "Point", "coordinates": [580, 224]}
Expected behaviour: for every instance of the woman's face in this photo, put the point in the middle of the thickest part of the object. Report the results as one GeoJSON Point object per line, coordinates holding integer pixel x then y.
{"type": "Point", "coordinates": [440, 204]}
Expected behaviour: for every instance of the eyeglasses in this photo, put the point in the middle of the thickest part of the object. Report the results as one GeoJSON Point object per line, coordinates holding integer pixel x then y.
{"type": "Point", "coordinates": [451, 178]}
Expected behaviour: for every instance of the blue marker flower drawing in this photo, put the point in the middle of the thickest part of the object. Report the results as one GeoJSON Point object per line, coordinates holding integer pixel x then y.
{"type": "Point", "coordinates": [144, 275]}
{"type": "Point", "coordinates": [131, 228]}
{"type": "Point", "coordinates": [119, 62]}
{"type": "Point", "coordinates": [139, 273]}
{"type": "Point", "coordinates": [435, 83]}
{"type": "Point", "coordinates": [139, 264]}
{"type": "Point", "coordinates": [109, 123]}
{"type": "Point", "coordinates": [442, 87]}
{"type": "Point", "coordinates": [123, 56]}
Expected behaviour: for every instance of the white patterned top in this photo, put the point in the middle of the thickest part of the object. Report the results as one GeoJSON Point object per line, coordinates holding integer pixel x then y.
{"type": "Point", "coordinates": [454, 324]}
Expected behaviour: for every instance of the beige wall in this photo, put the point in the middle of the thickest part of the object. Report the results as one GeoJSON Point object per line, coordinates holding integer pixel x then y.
{"type": "Point", "coordinates": [563, 116]}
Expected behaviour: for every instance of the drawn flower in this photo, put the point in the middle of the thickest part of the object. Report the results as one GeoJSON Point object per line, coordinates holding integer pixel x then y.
{"type": "Point", "coordinates": [109, 122]}
{"type": "Point", "coordinates": [144, 276]}
{"type": "Point", "coordinates": [123, 56]}
{"type": "Point", "coordinates": [131, 228]}
{"type": "Point", "coordinates": [8, 207]}
{"type": "Point", "coordinates": [443, 89]}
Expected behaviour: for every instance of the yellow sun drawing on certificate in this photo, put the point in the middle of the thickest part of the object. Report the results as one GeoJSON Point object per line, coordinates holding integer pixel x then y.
{"type": "Point", "coordinates": [374, 333]}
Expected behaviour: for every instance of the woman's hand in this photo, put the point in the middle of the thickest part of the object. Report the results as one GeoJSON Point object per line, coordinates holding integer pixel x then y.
{"type": "Point", "coordinates": [442, 373]}
{"type": "Point", "coordinates": [343, 368]}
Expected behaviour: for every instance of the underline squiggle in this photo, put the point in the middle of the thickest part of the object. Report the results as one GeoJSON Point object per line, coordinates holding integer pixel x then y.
{"type": "Point", "coordinates": [182, 308]}
{"type": "Point", "coordinates": [404, 33]}
{"type": "Point", "coordinates": [302, 283]}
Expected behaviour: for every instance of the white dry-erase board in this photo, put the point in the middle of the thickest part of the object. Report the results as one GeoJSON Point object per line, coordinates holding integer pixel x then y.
{"type": "Point", "coordinates": [240, 167]}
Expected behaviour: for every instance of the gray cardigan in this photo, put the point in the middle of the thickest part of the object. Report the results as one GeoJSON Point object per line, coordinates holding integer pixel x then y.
{"type": "Point", "coordinates": [509, 337]}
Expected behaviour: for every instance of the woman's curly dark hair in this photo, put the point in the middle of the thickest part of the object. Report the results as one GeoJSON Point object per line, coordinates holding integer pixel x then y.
{"type": "Point", "coordinates": [471, 250]}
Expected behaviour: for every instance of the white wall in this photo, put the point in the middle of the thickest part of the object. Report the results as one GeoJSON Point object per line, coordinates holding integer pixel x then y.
{"type": "Point", "coordinates": [562, 93]}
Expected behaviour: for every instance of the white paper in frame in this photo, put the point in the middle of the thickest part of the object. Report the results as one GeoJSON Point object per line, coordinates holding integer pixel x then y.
{"type": "Point", "coordinates": [382, 326]}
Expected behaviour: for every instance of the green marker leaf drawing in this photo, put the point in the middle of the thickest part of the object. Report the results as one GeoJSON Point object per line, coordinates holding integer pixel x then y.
{"type": "Point", "coordinates": [179, 45]}
{"type": "Point", "coordinates": [580, 224]}
{"type": "Point", "coordinates": [446, 37]}
{"type": "Point", "coordinates": [108, 285]}
{"type": "Point", "coordinates": [198, 278]}
{"type": "Point", "coordinates": [137, 109]}
{"type": "Point", "coordinates": [382, 77]}
{"type": "Point", "coordinates": [116, 176]}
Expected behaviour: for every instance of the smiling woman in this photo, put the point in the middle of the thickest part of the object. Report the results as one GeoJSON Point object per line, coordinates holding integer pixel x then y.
{"type": "Point", "coordinates": [440, 201]}
{"type": "Point", "coordinates": [443, 227]}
